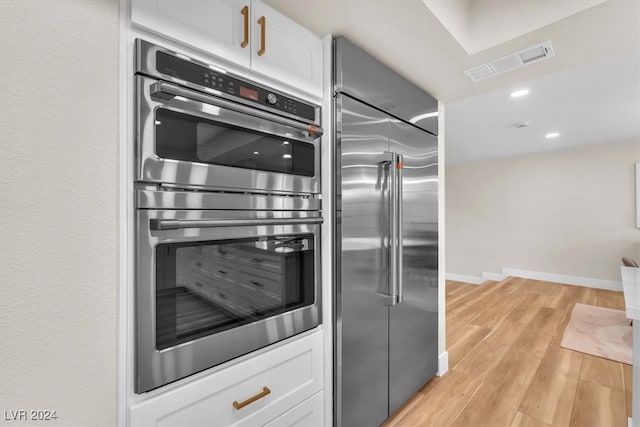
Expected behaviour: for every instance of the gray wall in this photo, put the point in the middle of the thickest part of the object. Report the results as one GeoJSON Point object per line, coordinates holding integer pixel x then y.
{"type": "Point", "coordinates": [568, 211]}
{"type": "Point", "coordinates": [59, 209]}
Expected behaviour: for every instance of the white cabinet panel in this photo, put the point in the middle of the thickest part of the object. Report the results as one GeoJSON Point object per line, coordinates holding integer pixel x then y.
{"type": "Point", "coordinates": [309, 413]}
{"type": "Point", "coordinates": [214, 26]}
{"type": "Point", "coordinates": [292, 373]}
{"type": "Point", "coordinates": [292, 54]}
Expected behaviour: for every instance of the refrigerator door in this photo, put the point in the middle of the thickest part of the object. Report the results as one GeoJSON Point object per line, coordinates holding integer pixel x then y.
{"type": "Point", "coordinates": [361, 314]}
{"type": "Point", "coordinates": [363, 77]}
{"type": "Point", "coordinates": [413, 324]}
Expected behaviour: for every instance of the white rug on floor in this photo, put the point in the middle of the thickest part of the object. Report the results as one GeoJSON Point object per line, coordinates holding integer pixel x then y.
{"type": "Point", "coordinates": [599, 331]}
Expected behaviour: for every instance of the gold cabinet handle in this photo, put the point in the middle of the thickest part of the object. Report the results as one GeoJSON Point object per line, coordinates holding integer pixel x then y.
{"type": "Point", "coordinates": [265, 391]}
{"type": "Point", "coordinates": [245, 13]}
{"type": "Point", "coordinates": [263, 39]}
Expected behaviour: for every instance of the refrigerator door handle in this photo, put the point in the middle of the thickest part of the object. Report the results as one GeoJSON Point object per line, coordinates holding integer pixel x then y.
{"type": "Point", "coordinates": [388, 162]}
{"type": "Point", "coordinates": [399, 226]}
{"type": "Point", "coordinates": [393, 226]}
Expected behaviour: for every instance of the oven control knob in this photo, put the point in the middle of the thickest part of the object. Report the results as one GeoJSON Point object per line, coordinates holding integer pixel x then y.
{"type": "Point", "coordinates": [272, 99]}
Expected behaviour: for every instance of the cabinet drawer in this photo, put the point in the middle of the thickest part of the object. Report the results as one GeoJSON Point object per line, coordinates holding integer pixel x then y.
{"type": "Point", "coordinates": [263, 282]}
{"type": "Point", "coordinates": [224, 295]}
{"type": "Point", "coordinates": [224, 270]}
{"type": "Point", "coordinates": [223, 252]}
{"type": "Point", "coordinates": [272, 263]}
{"type": "Point", "coordinates": [196, 262]}
{"type": "Point", "coordinates": [292, 373]}
{"type": "Point", "coordinates": [309, 413]}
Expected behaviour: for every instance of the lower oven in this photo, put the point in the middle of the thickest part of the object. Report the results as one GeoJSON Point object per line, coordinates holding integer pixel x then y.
{"type": "Point", "coordinates": [220, 275]}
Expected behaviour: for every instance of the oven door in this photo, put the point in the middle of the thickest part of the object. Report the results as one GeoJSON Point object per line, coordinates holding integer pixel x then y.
{"type": "Point", "coordinates": [188, 138]}
{"type": "Point", "coordinates": [214, 285]}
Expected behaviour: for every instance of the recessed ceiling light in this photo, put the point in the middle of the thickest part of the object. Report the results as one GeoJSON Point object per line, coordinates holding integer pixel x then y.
{"type": "Point", "coordinates": [286, 156]}
{"type": "Point", "coordinates": [256, 152]}
{"type": "Point", "coordinates": [552, 135]}
{"type": "Point", "coordinates": [519, 93]}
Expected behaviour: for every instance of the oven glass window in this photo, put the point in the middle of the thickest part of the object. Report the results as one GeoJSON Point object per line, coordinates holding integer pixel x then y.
{"type": "Point", "coordinates": [184, 137]}
{"type": "Point", "coordinates": [207, 287]}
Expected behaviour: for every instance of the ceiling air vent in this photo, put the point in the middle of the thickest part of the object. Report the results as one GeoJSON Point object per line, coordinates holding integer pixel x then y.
{"type": "Point", "coordinates": [511, 62]}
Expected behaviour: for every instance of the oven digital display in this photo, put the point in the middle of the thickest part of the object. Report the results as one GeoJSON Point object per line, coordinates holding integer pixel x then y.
{"type": "Point", "coordinates": [248, 93]}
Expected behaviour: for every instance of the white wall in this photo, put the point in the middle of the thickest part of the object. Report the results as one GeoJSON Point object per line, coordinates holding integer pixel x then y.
{"type": "Point", "coordinates": [569, 211]}
{"type": "Point", "coordinates": [58, 211]}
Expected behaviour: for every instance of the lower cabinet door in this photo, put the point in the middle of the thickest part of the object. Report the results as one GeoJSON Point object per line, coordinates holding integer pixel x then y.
{"type": "Point", "coordinates": [309, 413]}
{"type": "Point", "coordinates": [249, 393]}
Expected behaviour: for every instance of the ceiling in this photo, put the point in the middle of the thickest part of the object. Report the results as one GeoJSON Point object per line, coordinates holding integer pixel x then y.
{"type": "Point", "coordinates": [592, 103]}
{"type": "Point", "coordinates": [410, 37]}
{"type": "Point", "coordinates": [480, 24]}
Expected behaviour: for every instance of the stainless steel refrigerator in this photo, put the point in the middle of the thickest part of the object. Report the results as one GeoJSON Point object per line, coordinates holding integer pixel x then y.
{"type": "Point", "coordinates": [386, 187]}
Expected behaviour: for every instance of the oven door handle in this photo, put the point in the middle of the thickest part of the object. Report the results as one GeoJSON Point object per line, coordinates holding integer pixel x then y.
{"type": "Point", "coordinates": [164, 90]}
{"type": "Point", "coordinates": [174, 224]}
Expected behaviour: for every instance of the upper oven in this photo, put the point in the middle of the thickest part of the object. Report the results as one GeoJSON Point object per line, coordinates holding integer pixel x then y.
{"type": "Point", "coordinates": [199, 126]}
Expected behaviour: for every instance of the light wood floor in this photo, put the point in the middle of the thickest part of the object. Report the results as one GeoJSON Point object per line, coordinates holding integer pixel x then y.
{"type": "Point", "coordinates": [506, 366]}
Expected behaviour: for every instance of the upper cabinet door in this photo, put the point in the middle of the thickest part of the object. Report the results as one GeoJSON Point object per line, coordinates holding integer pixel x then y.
{"type": "Point", "coordinates": [285, 51]}
{"type": "Point", "coordinates": [215, 26]}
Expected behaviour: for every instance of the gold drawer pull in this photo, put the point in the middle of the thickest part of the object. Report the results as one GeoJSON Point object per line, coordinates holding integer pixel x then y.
{"type": "Point", "coordinates": [263, 38]}
{"type": "Point", "coordinates": [265, 391]}
{"type": "Point", "coordinates": [245, 14]}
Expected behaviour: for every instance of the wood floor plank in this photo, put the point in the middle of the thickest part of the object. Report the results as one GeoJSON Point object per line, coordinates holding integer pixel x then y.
{"type": "Point", "coordinates": [457, 284]}
{"type": "Point", "coordinates": [452, 285]}
{"type": "Point", "coordinates": [446, 401]}
{"type": "Point", "coordinates": [627, 374]}
{"type": "Point", "coordinates": [541, 287]}
{"type": "Point", "coordinates": [601, 371]}
{"type": "Point", "coordinates": [524, 420]}
{"type": "Point", "coordinates": [541, 329]}
{"type": "Point", "coordinates": [562, 297]}
{"type": "Point", "coordinates": [467, 297]}
{"type": "Point", "coordinates": [564, 321]}
{"type": "Point", "coordinates": [598, 406]}
{"type": "Point", "coordinates": [551, 394]}
{"type": "Point", "coordinates": [489, 352]}
{"type": "Point", "coordinates": [484, 293]}
{"type": "Point", "coordinates": [464, 342]}
{"type": "Point", "coordinates": [586, 296]}
{"type": "Point", "coordinates": [621, 303]}
{"type": "Point", "coordinates": [456, 288]}
{"type": "Point", "coordinates": [495, 314]}
{"type": "Point", "coordinates": [396, 418]}
{"type": "Point", "coordinates": [609, 299]}
{"type": "Point", "coordinates": [498, 401]}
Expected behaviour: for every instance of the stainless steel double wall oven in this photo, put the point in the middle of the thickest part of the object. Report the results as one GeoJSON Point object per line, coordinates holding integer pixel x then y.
{"type": "Point", "coordinates": [228, 216]}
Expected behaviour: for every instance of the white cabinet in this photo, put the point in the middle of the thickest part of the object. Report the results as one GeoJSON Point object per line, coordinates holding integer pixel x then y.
{"type": "Point", "coordinates": [215, 26]}
{"type": "Point", "coordinates": [250, 393]}
{"type": "Point", "coordinates": [247, 33]}
{"type": "Point", "coordinates": [309, 413]}
{"type": "Point", "coordinates": [289, 50]}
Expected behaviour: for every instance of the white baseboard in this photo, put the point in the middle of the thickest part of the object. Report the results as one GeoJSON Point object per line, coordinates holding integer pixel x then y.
{"type": "Point", "coordinates": [588, 282]}
{"type": "Point", "coordinates": [443, 363]}
{"type": "Point", "coordinates": [496, 277]}
{"type": "Point", "coordinates": [474, 280]}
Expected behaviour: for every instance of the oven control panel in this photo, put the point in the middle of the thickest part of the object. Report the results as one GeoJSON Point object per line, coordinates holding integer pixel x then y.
{"type": "Point", "coordinates": [188, 70]}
